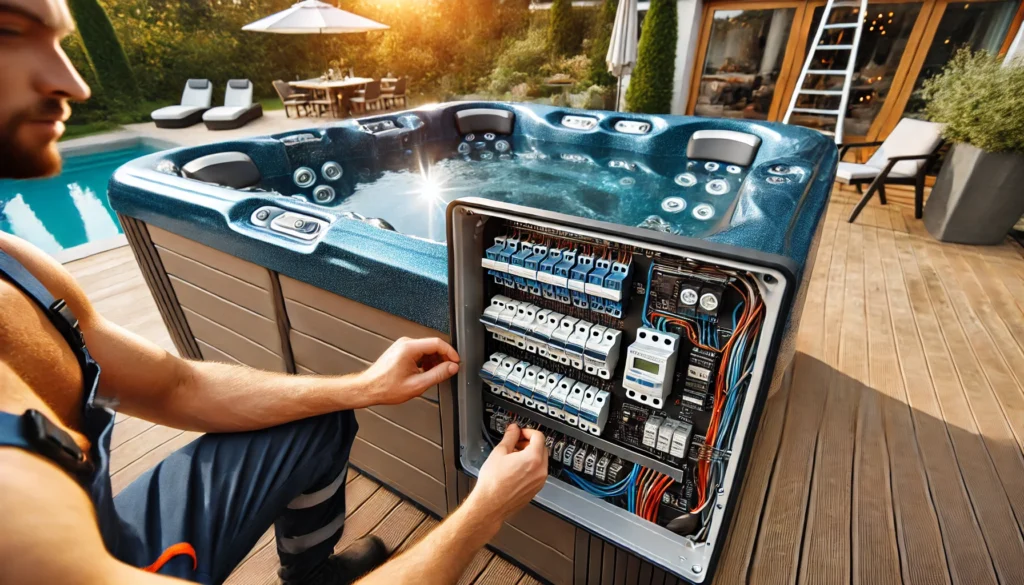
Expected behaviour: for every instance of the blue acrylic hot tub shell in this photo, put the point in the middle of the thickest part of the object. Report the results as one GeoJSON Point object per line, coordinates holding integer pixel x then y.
{"type": "Point", "coordinates": [408, 276]}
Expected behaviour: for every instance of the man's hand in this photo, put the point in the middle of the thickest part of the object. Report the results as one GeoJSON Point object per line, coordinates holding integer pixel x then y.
{"type": "Point", "coordinates": [514, 472]}
{"type": "Point", "coordinates": [408, 368]}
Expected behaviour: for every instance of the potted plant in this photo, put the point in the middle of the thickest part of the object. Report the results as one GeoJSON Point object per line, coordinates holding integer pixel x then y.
{"type": "Point", "coordinates": [979, 193]}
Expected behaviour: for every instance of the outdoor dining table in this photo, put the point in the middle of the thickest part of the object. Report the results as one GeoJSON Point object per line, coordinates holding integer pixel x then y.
{"type": "Point", "coordinates": [335, 88]}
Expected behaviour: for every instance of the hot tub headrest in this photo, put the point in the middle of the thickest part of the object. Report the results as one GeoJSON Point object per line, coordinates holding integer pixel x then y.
{"type": "Point", "coordinates": [484, 120]}
{"type": "Point", "coordinates": [228, 169]}
{"type": "Point", "coordinates": [728, 146]}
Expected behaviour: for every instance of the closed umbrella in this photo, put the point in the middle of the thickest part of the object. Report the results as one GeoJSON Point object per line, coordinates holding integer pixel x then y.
{"type": "Point", "coordinates": [314, 17]}
{"type": "Point", "coordinates": [622, 47]}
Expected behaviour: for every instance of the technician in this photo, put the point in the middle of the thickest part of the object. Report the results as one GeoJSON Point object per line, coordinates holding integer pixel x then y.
{"type": "Point", "coordinates": [276, 448]}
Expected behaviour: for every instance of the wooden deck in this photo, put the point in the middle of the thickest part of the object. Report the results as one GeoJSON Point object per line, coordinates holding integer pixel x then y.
{"type": "Point", "coordinates": [895, 456]}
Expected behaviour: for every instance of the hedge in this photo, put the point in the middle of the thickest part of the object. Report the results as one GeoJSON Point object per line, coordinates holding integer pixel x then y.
{"type": "Point", "coordinates": [106, 55]}
{"type": "Point", "coordinates": [650, 87]}
{"type": "Point", "coordinates": [599, 74]}
{"type": "Point", "coordinates": [564, 37]}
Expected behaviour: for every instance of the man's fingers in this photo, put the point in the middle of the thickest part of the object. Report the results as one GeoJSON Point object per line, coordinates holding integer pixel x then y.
{"type": "Point", "coordinates": [536, 439]}
{"type": "Point", "coordinates": [508, 442]}
{"type": "Point", "coordinates": [433, 345]}
{"type": "Point", "coordinates": [434, 375]}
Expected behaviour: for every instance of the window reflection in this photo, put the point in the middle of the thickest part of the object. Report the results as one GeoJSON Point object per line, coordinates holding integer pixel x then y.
{"type": "Point", "coordinates": [976, 25]}
{"type": "Point", "coordinates": [744, 58]}
{"type": "Point", "coordinates": [883, 42]}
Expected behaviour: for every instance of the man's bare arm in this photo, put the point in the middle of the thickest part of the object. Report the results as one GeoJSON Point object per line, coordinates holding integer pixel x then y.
{"type": "Point", "coordinates": [513, 474]}
{"type": "Point", "coordinates": [153, 384]}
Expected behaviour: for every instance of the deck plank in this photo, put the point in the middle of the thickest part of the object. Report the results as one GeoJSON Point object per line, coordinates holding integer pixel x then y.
{"type": "Point", "coordinates": [500, 572]}
{"type": "Point", "coordinates": [476, 566]}
{"type": "Point", "coordinates": [922, 560]}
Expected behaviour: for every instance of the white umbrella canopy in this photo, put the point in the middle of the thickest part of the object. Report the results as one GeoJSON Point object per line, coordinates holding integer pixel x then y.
{"type": "Point", "coordinates": [314, 17]}
{"type": "Point", "coordinates": [622, 46]}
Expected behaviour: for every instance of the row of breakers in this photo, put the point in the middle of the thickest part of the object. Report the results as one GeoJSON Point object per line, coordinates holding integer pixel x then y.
{"type": "Point", "coordinates": [561, 274]}
{"type": "Point", "coordinates": [550, 393]}
{"type": "Point", "coordinates": [561, 338]}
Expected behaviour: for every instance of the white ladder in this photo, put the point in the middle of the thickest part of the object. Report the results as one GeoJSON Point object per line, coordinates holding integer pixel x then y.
{"type": "Point", "coordinates": [847, 74]}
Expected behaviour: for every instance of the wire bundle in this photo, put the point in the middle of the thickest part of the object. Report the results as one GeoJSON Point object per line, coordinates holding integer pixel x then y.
{"type": "Point", "coordinates": [647, 493]}
{"type": "Point", "coordinates": [733, 376]}
{"type": "Point", "coordinates": [620, 488]}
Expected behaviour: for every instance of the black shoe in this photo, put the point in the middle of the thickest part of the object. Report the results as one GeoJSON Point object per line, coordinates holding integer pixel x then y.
{"type": "Point", "coordinates": [361, 557]}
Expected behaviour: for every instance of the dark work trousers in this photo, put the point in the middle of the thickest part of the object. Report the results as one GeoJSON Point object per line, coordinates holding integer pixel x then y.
{"type": "Point", "coordinates": [221, 492]}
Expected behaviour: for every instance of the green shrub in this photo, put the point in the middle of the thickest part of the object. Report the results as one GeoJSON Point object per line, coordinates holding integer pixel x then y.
{"type": "Point", "coordinates": [650, 88]}
{"type": "Point", "coordinates": [980, 102]}
{"type": "Point", "coordinates": [598, 50]}
{"type": "Point", "coordinates": [563, 36]}
{"type": "Point", "coordinates": [105, 52]}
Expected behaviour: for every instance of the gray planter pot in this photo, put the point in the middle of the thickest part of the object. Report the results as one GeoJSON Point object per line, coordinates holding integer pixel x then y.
{"type": "Point", "coordinates": [977, 197]}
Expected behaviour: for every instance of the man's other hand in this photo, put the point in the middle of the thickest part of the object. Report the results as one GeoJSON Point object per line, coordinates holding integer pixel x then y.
{"type": "Point", "coordinates": [408, 368]}
{"type": "Point", "coordinates": [513, 473]}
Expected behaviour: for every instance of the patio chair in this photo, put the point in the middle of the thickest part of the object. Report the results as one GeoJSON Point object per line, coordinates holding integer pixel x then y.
{"type": "Point", "coordinates": [238, 109]}
{"type": "Point", "coordinates": [291, 98]}
{"type": "Point", "coordinates": [195, 100]}
{"type": "Point", "coordinates": [396, 95]}
{"type": "Point", "coordinates": [902, 159]}
{"type": "Point", "coordinates": [369, 100]}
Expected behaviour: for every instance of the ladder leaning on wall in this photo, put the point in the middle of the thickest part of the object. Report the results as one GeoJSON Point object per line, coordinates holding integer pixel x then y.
{"type": "Point", "coordinates": [842, 28]}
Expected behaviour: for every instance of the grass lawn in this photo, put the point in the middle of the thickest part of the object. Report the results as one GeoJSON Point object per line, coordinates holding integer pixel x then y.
{"type": "Point", "coordinates": [80, 130]}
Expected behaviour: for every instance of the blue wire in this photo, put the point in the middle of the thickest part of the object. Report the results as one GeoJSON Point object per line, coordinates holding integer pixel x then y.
{"type": "Point", "coordinates": [735, 315]}
{"type": "Point", "coordinates": [647, 294]}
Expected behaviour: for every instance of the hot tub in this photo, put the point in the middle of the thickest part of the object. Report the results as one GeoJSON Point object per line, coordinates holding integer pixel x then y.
{"type": "Point", "coordinates": [310, 251]}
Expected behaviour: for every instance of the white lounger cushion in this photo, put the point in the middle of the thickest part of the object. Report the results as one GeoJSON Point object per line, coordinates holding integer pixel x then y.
{"type": "Point", "coordinates": [175, 112]}
{"type": "Point", "coordinates": [854, 171]}
{"type": "Point", "coordinates": [225, 113]}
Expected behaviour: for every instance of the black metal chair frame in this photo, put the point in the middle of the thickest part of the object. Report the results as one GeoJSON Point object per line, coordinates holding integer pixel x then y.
{"type": "Point", "coordinates": [879, 182]}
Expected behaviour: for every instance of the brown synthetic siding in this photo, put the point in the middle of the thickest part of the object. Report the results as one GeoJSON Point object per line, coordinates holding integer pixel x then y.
{"type": "Point", "coordinates": [360, 342]}
{"type": "Point", "coordinates": [212, 354]}
{"type": "Point", "coordinates": [156, 278]}
{"type": "Point", "coordinates": [410, 481]}
{"type": "Point", "coordinates": [535, 539]}
{"type": "Point", "coordinates": [223, 312]}
{"type": "Point", "coordinates": [368, 318]}
{"type": "Point", "coordinates": [233, 344]}
{"type": "Point", "coordinates": [226, 286]}
{"type": "Point", "coordinates": [403, 444]}
{"type": "Point", "coordinates": [247, 271]}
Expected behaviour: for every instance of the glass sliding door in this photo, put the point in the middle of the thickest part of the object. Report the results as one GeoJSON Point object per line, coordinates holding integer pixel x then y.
{"type": "Point", "coordinates": [978, 26]}
{"type": "Point", "coordinates": [743, 62]}
{"type": "Point", "coordinates": [884, 42]}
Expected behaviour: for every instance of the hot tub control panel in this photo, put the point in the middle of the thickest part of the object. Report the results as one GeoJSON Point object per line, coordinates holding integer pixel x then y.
{"type": "Point", "coordinates": [640, 360]}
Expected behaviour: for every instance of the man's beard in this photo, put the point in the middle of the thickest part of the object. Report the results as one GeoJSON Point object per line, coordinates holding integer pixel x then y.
{"type": "Point", "coordinates": [19, 161]}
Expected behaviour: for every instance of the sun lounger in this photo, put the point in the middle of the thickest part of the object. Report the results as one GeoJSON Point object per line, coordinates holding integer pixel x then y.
{"type": "Point", "coordinates": [196, 99]}
{"type": "Point", "coordinates": [238, 109]}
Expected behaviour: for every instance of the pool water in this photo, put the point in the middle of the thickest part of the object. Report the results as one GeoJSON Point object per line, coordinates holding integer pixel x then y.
{"type": "Point", "coordinates": [68, 210]}
{"type": "Point", "coordinates": [412, 192]}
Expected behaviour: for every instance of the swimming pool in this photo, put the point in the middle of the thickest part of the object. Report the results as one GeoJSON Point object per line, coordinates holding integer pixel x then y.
{"type": "Point", "coordinates": [69, 210]}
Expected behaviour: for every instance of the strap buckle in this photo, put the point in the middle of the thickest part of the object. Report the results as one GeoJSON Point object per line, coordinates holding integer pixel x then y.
{"type": "Point", "coordinates": [61, 308]}
{"type": "Point", "coordinates": [52, 442]}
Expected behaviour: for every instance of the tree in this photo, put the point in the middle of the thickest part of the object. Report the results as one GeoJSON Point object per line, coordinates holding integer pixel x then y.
{"type": "Point", "coordinates": [650, 88]}
{"type": "Point", "coordinates": [599, 74]}
{"type": "Point", "coordinates": [106, 55]}
{"type": "Point", "coordinates": [562, 36]}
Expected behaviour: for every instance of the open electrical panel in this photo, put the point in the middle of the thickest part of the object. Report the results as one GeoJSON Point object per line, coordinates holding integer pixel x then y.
{"type": "Point", "coordinates": [643, 357]}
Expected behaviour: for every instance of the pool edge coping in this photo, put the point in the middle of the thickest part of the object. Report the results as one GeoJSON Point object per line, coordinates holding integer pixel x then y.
{"type": "Point", "coordinates": [106, 142]}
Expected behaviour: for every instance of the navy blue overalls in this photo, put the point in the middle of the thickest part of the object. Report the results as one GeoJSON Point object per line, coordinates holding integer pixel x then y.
{"type": "Point", "coordinates": [199, 512]}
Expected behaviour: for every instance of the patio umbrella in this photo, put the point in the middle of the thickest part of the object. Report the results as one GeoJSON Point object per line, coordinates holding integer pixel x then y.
{"type": "Point", "coordinates": [622, 47]}
{"type": "Point", "coordinates": [314, 17]}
